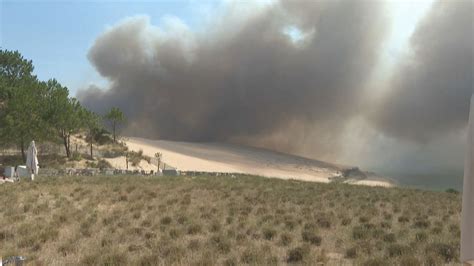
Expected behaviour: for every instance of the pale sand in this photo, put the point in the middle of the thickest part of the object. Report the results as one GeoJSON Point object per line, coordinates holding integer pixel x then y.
{"type": "Point", "coordinates": [227, 158]}
{"type": "Point", "coordinates": [121, 163]}
{"type": "Point", "coordinates": [372, 183]}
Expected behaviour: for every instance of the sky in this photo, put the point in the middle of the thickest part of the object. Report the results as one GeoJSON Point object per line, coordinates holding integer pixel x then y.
{"type": "Point", "coordinates": [57, 35]}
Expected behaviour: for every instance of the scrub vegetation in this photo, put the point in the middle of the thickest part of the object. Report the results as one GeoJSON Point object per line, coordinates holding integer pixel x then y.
{"type": "Point", "coordinates": [207, 220]}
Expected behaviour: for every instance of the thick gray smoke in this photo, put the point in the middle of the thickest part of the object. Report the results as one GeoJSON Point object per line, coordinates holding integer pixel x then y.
{"type": "Point", "coordinates": [244, 79]}
{"type": "Point", "coordinates": [430, 92]}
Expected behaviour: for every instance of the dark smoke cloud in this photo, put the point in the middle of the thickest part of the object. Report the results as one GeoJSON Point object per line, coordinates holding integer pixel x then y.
{"type": "Point", "coordinates": [243, 79]}
{"type": "Point", "coordinates": [430, 91]}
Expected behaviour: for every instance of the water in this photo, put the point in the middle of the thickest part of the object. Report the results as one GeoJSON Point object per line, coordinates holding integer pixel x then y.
{"type": "Point", "coordinates": [437, 181]}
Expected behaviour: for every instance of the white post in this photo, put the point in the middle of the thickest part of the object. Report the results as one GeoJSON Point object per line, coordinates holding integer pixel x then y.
{"type": "Point", "coordinates": [467, 220]}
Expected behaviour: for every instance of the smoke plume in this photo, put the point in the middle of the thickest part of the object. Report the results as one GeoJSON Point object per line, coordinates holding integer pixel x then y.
{"type": "Point", "coordinates": [245, 79]}
{"type": "Point", "coordinates": [431, 88]}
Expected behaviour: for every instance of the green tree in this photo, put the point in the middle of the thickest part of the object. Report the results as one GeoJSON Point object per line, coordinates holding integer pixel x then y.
{"type": "Point", "coordinates": [115, 118]}
{"type": "Point", "coordinates": [24, 117]}
{"type": "Point", "coordinates": [21, 101]}
{"type": "Point", "coordinates": [64, 113]}
{"type": "Point", "coordinates": [14, 69]}
{"type": "Point", "coordinates": [91, 122]}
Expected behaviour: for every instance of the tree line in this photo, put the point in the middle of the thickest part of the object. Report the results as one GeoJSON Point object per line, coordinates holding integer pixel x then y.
{"type": "Point", "coordinates": [31, 109]}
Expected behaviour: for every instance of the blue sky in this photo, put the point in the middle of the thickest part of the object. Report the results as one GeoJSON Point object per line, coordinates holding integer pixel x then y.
{"type": "Point", "coordinates": [56, 35]}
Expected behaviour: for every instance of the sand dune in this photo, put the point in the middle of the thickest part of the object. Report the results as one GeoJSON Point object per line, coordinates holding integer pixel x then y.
{"type": "Point", "coordinates": [228, 158]}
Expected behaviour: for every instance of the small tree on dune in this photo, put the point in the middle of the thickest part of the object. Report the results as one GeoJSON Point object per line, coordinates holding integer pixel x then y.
{"type": "Point", "coordinates": [158, 157]}
{"type": "Point", "coordinates": [91, 123]}
{"type": "Point", "coordinates": [115, 117]}
{"type": "Point", "coordinates": [64, 113]}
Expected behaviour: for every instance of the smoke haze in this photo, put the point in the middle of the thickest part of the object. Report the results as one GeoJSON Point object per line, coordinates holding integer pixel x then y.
{"type": "Point", "coordinates": [431, 88]}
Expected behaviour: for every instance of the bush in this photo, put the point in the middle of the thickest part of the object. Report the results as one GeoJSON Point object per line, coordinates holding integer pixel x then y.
{"type": "Point", "coordinates": [390, 238]}
{"type": "Point", "coordinates": [221, 244]}
{"type": "Point", "coordinates": [421, 236]}
{"type": "Point", "coordinates": [403, 219]}
{"type": "Point", "coordinates": [375, 262]}
{"type": "Point", "coordinates": [250, 256]}
{"type": "Point", "coordinates": [421, 223]}
{"type": "Point", "coordinates": [351, 253]}
{"type": "Point", "coordinates": [194, 229]}
{"type": "Point", "coordinates": [323, 221]}
{"type": "Point", "coordinates": [360, 232]}
{"type": "Point", "coordinates": [346, 221]}
{"type": "Point", "coordinates": [296, 255]}
{"type": "Point", "coordinates": [76, 156]}
{"type": "Point", "coordinates": [101, 164]}
{"type": "Point", "coordinates": [410, 261]}
{"type": "Point", "coordinates": [165, 220]}
{"type": "Point", "coordinates": [136, 157]}
{"type": "Point", "coordinates": [452, 191]}
{"type": "Point", "coordinates": [269, 233]}
{"type": "Point", "coordinates": [364, 219]}
{"type": "Point", "coordinates": [311, 237]}
{"type": "Point", "coordinates": [396, 250]}
{"type": "Point", "coordinates": [285, 239]}
{"type": "Point", "coordinates": [194, 244]}
{"type": "Point", "coordinates": [448, 252]}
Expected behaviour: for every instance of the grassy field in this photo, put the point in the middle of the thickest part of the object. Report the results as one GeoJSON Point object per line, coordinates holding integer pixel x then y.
{"type": "Point", "coordinates": [225, 221]}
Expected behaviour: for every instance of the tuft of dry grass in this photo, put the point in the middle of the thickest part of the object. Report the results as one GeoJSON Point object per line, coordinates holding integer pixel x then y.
{"type": "Point", "coordinates": [207, 220]}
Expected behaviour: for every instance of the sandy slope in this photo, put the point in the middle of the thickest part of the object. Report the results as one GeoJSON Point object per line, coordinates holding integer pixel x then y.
{"type": "Point", "coordinates": [218, 157]}
{"type": "Point", "coordinates": [121, 163]}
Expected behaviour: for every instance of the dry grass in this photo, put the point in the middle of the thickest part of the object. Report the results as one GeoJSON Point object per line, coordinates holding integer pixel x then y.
{"type": "Point", "coordinates": [225, 221]}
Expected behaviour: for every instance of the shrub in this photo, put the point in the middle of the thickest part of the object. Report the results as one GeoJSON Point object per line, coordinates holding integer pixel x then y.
{"type": "Point", "coordinates": [360, 232]}
{"type": "Point", "coordinates": [396, 250]}
{"type": "Point", "coordinates": [448, 252]}
{"type": "Point", "coordinates": [221, 244]}
{"type": "Point", "coordinates": [323, 222]}
{"type": "Point", "coordinates": [311, 237]}
{"type": "Point", "coordinates": [364, 219]}
{"type": "Point", "coordinates": [437, 230]}
{"type": "Point", "coordinates": [452, 191]}
{"type": "Point", "coordinates": [165, 220]}
{"type": "Point", "coordinates": [194, 229]}
{"type": "Point", "coordinates": [351, 253]}
{"type": "Point", "coordinates": [346, 221]}
{"type": "Point", "coordinates": [410, 261]}
{"type": "Point", "coordinates": [421, 236]}
{"type": "Point", "coordinates": [250, 256]}
{"type": "Point", "coordinates": [390, 238]}
{"type": "Point", "coordinates": [403, 219]}
{"type": "Point", "coordinates": [375, 262]}
{"type": "Point", "coordinates": [76, 156]}
{"type": "Point", "coordinates": [285, 239]}
{"type": "Point", "coordinates": [230, 262]}
{"type": "Point", "coordinates": [269, 233]}
{"type": "Point", "coordinates": [194, 244]}
{"type": "Point", "coordinates": [421, 223]}
{"type": "Point", "coordinates": [296, 255]}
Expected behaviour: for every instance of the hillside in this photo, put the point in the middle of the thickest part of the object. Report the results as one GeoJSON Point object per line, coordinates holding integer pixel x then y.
{"type": "Point", "coordinates": [207, 220]}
